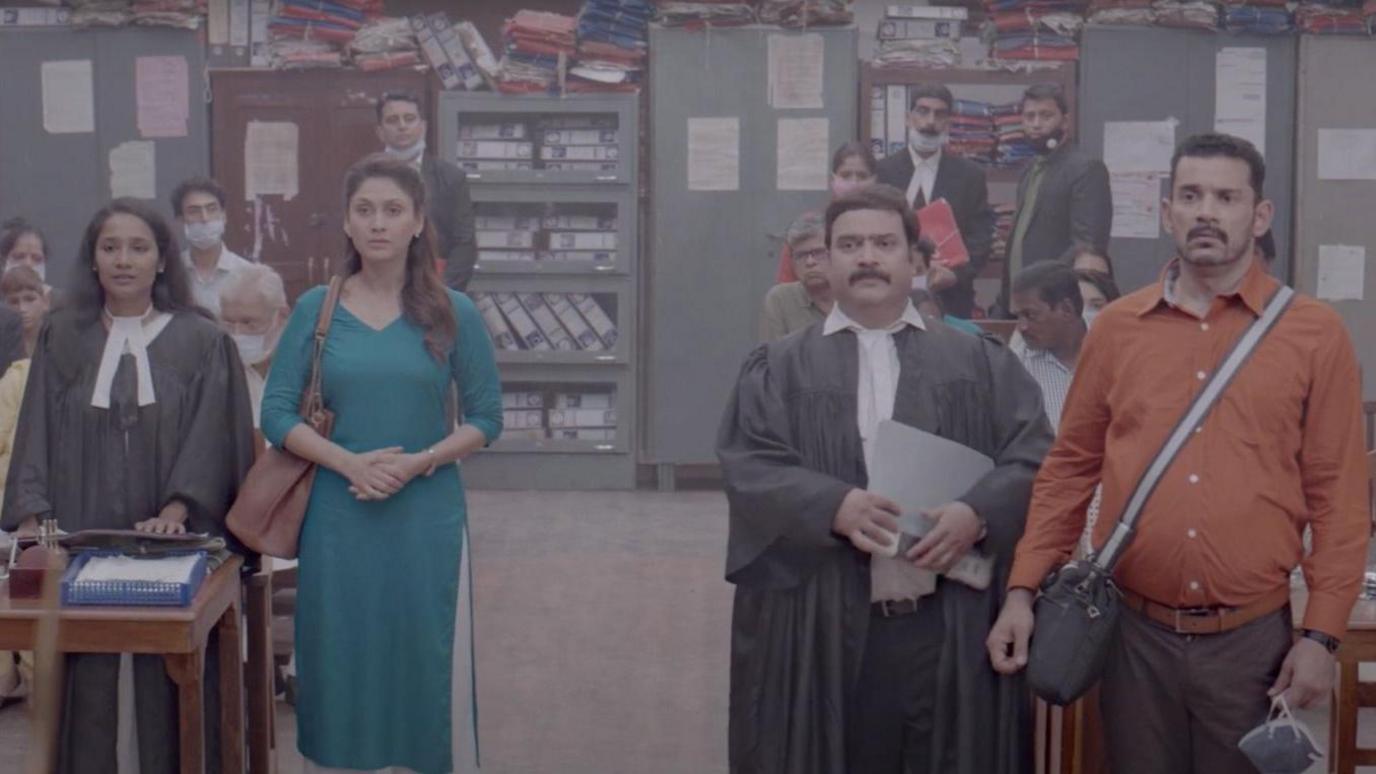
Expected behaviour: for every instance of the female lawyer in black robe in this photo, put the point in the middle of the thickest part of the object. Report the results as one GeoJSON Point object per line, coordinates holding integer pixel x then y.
{"type": "Point", "coordinates": [136, 415]}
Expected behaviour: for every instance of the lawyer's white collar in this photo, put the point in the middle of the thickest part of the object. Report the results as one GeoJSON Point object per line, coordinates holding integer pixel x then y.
{"type": "Point", "coordinates": [131, 335]}
{"type": "Point", "coordinates": [837, 321]}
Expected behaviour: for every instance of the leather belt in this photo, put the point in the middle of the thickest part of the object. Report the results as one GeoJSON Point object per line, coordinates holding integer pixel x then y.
{"type": "Point", "coordinates": [893, 608]}
{"type": "Point", "coordinates": [1206, 620]}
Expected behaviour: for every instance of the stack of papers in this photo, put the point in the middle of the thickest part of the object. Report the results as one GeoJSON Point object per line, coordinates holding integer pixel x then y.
{"type": "Point", "coordinates": [168, 569]}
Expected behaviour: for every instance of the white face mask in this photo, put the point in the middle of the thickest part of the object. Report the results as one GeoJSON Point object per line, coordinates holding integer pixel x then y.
{"type": "Point", "coordinates": [927, 143]}
{"type": "Point", "coordinates": [1088, 316]}
{"type": "Point", "coordinates": [253, 347]}
{"type": "Point", "coordinates": [39, 268]}
{"type": "Point", "coordinates": [204, 235]}
{"type": "Point", "coordinates": [408, 154]}
{"type": "Point", "coordinates": [920, 282]}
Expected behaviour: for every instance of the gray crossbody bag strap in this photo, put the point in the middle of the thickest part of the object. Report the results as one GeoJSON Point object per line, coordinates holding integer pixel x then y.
{"type": "Point", "coordinates": [1122, 534]}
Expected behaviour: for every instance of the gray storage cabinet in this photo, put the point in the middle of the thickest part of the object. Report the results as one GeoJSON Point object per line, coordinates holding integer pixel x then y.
{"type": "Point", "coordinates": [1151, 74]}
{"type": "Point", "coordinates": [712, 255]}
{"type": "Point", "coordinates": [1334, 95]}
{"type": "Point", "coordinates": [521, 459]}
{"type": "Point", "coordinates": [58, 181]}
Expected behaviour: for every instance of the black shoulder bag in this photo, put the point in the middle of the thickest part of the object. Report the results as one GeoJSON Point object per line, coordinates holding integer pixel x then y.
{"type": "Point", "coordinates": [1077, 611]}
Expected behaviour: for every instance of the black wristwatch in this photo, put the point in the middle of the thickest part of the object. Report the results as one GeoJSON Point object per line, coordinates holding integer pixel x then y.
{"type": "Point", "coordinates": [1328, 641]}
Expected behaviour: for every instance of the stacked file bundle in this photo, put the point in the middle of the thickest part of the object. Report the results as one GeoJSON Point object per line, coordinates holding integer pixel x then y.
{"type": "Point", "coordinates": [573, 143]}
{"type": "Point", "coordinates": [1257, 17]}
{"type": "Point", "coordinates": [456, 52]}
{"type": "Point", "coordinates": [705, 13]}
{"type": "Point", "coordinates": [1191, 14]}
{"type": "Point", "coordinates": [972, 131]}
{"type": "Point", "coordinates": [613, 41]}
{"type": "Point", "coordinates": [495, 146]}
{"type": "Point", "coordinates": [579, 415]}
{"type": "Point", "coordinates": [925, 36]}
{"type": "Point", "coordinates": [333, 21]}
{"type": "Point", "coordinates": [1130, 12]}
{"type": "Point", "coordinates": [101, 13]}
{"type": "Point", "coordinates": [805, 13]}
{"type": "Point", "coordinates": [1331, 18]}
{"type": "Point", "coordinates": [546, 322]}
{"type": "Point", "coordinates": [537, 46]}
{"type": "Point", "coordinates": [182, 14]}
{"type": "Point", "coordinates": [563, 143]}
{"type": "Point", "coordinates": [1043, 30]}
{"type": "Point", "coordinates": [526, 235]}
{"type": "Point", "coordinates": [384, 44]}
{"type": "Point", "coordinates": [1013, 149]}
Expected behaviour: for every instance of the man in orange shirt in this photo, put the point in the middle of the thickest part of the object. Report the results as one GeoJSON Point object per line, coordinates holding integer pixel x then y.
{"type": "Point", "coordinates": [1205, 641]}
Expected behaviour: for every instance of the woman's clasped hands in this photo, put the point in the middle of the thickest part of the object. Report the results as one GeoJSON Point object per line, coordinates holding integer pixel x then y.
{"type": "Point", "coordinates": [379, 474]}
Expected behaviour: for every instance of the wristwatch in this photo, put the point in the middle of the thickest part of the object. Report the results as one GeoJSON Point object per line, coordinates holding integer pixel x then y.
{"type": "Point", "coordinates": [1328, 641]}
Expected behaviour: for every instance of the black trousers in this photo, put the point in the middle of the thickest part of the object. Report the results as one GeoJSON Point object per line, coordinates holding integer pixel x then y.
{"type": "Point", "coordinates": [1177, 703]}
{"type": "Point", "coordinates": [890, 723]}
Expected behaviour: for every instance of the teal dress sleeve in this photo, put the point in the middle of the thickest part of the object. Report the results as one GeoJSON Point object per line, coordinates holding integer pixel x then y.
{"type": "Point", "coordinates": [291, 367]}
{"type": "Point", "coordinates": [474, 367]}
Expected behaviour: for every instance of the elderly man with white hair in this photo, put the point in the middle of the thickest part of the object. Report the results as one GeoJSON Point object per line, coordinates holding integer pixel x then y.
{"type": "Point", "coordinates": [254, 310]}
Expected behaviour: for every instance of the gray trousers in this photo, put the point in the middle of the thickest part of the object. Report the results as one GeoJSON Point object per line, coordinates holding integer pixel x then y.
{"type": "Point", "coordinates": [1176, 703]}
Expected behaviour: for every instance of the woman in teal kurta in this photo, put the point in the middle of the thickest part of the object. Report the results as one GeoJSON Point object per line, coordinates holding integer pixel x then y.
{"type": "Point", "coordinates": [383, 637]}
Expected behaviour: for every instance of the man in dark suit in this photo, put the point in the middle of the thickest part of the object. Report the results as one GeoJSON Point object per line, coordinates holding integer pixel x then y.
{"type": "Point", "coordinates": [1064, 202]}
{"type": "Point", "coordinates": [401, 128]}
{"type": "Point", "coordinates": [927, 174]}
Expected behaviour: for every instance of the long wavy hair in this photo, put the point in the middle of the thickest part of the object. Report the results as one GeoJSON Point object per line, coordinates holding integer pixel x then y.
{"type": "Point", "coordinates": [84, 296]}
{"type": "Point", "coordinates": [424, 300]}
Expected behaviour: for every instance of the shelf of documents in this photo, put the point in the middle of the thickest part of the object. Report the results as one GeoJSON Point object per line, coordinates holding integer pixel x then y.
{"type": "Point", "coordinates": [562, 231]}
{"type": "Point", "coordinates": [557, 226]}
{"type": "Point", "coordinates": [575, 139]}
{"type": "Point", "coordinates": [538, 321]}
{"type": "Point", "coordinates": [572, 416]}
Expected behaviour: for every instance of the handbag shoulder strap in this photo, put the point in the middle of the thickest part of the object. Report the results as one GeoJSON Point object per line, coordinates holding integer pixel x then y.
{"type": "Point", "coordinates": [315, 398]}
{"type": "Point", "coordinates": [1123, 532]}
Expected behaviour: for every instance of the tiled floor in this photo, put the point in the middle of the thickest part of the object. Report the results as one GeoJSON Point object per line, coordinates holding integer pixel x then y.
{"type": "Point", "coordinates": [602, 625]}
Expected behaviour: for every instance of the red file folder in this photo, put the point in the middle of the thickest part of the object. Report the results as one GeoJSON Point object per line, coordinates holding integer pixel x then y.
{"type": "Point", "coordinates": [937, 222]}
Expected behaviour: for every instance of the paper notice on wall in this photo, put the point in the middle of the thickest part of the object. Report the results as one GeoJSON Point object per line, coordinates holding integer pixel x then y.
{"type": "Point", "coordinates": [162, 95]}
{"type": "Point", "coordinates": [270, 159]}
{"type": "Point", "coordinates": [68, 97]}
{"type": "Point", "coordinates": [1136, 204]}
{"type": "Point", "coordinates": [795, 70]}
{"type": "Point", "coordinates": [714, 154]}
{"type": "Point", "coordinates": [1347, 154]}
{"type": "Point", "coordinates": [133, 170]}
{"type": "Point", "coordinates": [1139, 146]}
{"type": "Point", "coordinates": [1240, 94]}
{"type": "Point", "coordinates": [1342, 272]}
{"type": "Point", "coordinates": [804, 154]}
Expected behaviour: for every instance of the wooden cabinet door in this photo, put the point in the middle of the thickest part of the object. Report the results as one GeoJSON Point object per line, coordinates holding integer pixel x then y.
{"type": "Point", "coordinates": [299, 236]}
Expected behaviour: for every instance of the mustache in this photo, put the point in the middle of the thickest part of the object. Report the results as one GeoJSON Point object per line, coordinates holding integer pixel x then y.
{"type": "Point", "coordinates": [1207, 231]}
{"type": "Point", "coordinates": [867, 273]}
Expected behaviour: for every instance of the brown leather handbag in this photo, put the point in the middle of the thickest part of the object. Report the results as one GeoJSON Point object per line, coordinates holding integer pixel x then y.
{"type": "Point", "coordinates": [271, 506]}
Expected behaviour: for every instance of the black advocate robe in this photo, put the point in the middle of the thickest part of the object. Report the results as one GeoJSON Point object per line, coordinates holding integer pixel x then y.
{"type": "Point", "coordinates": [111, 468]}
{"type": "Point", "coordinates": [790, 451]}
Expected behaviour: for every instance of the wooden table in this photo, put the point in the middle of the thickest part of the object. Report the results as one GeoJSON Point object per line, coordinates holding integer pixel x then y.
{"type": "Point", "coordinates": [178, 634]}
{"type": "Point", "coordinates": [1350, 695]}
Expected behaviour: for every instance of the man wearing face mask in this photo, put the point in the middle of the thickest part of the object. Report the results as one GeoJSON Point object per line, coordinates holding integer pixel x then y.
{"type": "Point", "coordinates": [401, 128]}
{"type": "Point", "coordinates": [1064, 204]}
{"type": "Point", "coordinates": [254, 310]}
{"type": "Point", "coordinates": [199, 204]}
{"type": "Point", "coordinates": [927, 173]}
